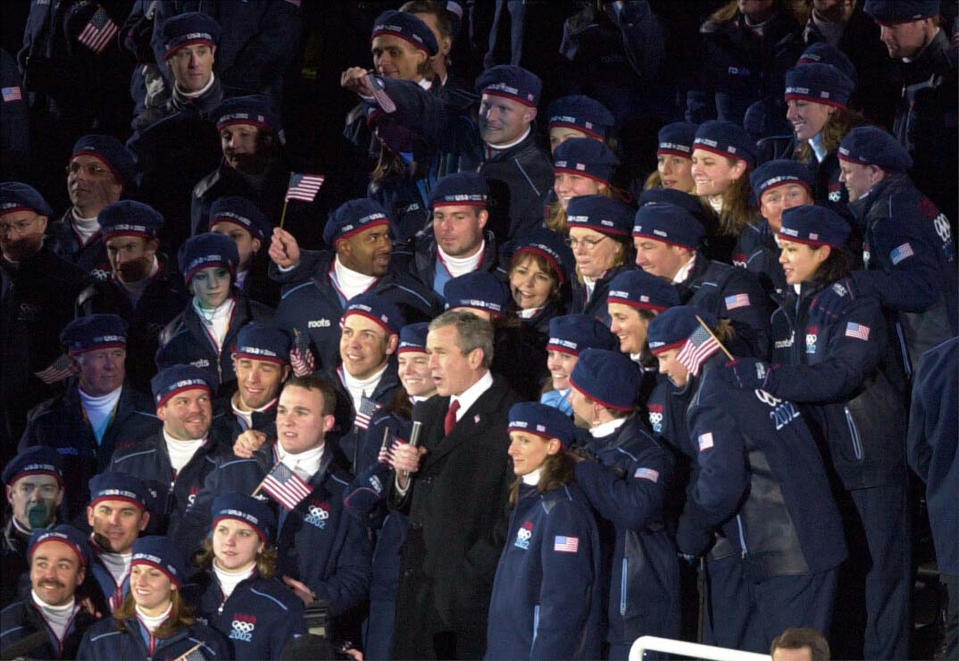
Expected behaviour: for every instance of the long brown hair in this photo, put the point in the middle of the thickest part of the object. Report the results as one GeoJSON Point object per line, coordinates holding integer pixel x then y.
{"type": "Point", "coordinates": [543, 265]}
{"type": "Point", "coordinates": [837, 126]}
{"type": "Point", "coordinates": [738, 211]}
{"type": "Point", "coordinates": [181, 615]}
{"type": "Point", "coordinates": [265, 559]}
{"type": "Point", "coordinates": [557, 471]}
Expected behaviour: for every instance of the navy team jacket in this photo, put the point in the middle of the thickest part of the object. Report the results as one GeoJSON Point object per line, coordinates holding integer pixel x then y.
{"type": "Point", "coordinates": [547, 594]}
{"type": "Point", "coordinates": [761, 481]}
{"type": "Point", "coordinates": [104, 640]}
{"type": "Point", "coordinates": [319, 543]}
{"type": "Point", "coordinates": [844, 371]}
{"type": "Point", "coordinates": [258, 618]}
{"type": "Point", "coordinates": [627, 487]}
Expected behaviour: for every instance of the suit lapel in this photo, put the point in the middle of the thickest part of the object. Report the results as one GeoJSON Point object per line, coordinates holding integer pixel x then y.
{"type": "Point", "coordinates": [469, 426]}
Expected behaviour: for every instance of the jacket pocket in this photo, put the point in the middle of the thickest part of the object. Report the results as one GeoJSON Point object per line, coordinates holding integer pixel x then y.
{"type": "Point", "coordinates": [854, 434]}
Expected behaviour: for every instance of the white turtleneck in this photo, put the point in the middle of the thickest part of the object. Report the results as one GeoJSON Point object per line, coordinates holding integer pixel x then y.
{"type": "Point", "coordinates": [118, 564]}
{"type": "Point", "coordinates": [99, 410]}
{"type": "Point", "coordinates": [458, 266]}
{"type": "Point", "coordinates": [532, 477]}
{"type": "Point", "coordinates": [199, 92]}
{"type": "Point", "coordinates": [716, 202]}
{"type": "Point", "coordinates": [85, 227]}
{"type": "Point", "coordinates": [606, 428]}
{"type": "Point", "coordinates": [181, 451]}
{"type": "Point", "coordinates": [305, 464]}
{"type": "Point", "coordinates": [683, 272]}
{"type": "Point", "coordinates": [507, 145]}
{"type": "Point", "coordinates": [151, 622]}
{"type": "Point", "coordinates": [350, 282]}
{"type": "Point", "coordinates": [135, 290]}
{"type": "Point", "coordinates": [359, 387]}
{"type": "Point", "coordinates": [57, 617]}
{"type": "Point", "coordinates": [216, 320]}
{"type": "Point", "coordinates": [230, 579]}
{"type": "Point", "coordinates": [247, 416]}
{"type": "Point", "coordinates": [528, 313]}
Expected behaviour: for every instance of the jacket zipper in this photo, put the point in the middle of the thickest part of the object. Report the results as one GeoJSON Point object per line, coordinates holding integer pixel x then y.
{"type": "Point", "coordinates": [742, 535]}
{"type": "Point", "coordinates": [854, 432]}
{"type": "Point", "coordinates": [623, 583]}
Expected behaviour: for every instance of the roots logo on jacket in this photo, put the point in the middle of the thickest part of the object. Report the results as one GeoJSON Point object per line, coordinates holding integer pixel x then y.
{"type": "Point", "coordinates": [318, 514]}
{"type": "Point", "coordinates": [523, 535]}
{"type": "Point", "coordinates": [243, 626]}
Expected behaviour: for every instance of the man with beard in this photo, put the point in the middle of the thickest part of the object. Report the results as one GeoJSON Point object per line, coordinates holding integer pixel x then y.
{"type": "Point", "coordinates": [261, 362]}
{"type": "Point", "coordinates": [254, 166]}
{"type": "Point", "coordinates": [37, 290]}
{"type": "Point", "coordinates": [141, 290]}
{"type": "Point", "coordinates": [99, 172]}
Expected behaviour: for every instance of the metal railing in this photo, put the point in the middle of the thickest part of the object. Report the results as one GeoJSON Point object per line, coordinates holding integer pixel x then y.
{"type": "Point", "coordinates": [645, 644]}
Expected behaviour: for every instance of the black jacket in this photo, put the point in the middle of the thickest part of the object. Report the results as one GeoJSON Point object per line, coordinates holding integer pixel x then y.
{"type": "Point", "coordinates": [22, 618]}
{"type": "Point", "coordinates": [926, 121]}
{"type": "Point", "coordinates": [36, 302]}
{"type": "Point", "coordinates": [162, 300]}
{"type": "Point", "coordinates": [457, 521]}
{"type": "Point", "coordinates": [60, 423]}
{"type": "Point", "coordinates": [185, 340]}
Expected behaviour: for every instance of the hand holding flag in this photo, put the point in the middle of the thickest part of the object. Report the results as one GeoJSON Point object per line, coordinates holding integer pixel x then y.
{"type": "Point", "coordinates": [301, 357]}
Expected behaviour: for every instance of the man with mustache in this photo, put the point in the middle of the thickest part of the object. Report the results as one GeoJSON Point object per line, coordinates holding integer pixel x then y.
{"type": "Point", "coordinates": [142, 289]}
{"type": "Point", "coordinates": [33, 482]}
{"type": "Point", "coordinates": [59, 561]}
{"type": "Point", "coordinates": [37, 290]}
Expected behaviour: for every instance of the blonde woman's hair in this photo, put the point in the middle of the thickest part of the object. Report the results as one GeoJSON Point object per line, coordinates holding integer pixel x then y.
{"type": "Point", "coordinates": [837, 126]}
{"type": "Point", "coordinates": [265, 559]}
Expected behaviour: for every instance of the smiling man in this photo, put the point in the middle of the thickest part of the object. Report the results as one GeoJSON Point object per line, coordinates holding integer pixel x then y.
{"type": "Point", "coordinates": [183, 450]}
{"type": "Point", "coordinates": [320, 283]}
{"type": "Point", "coordinates": [59, 561]}
{"type": "Point", "coordinates": [261, 363]}
{"type": "Point", "coordinates": [117, 514]}
{"type": "Point", "coordinates": [369, 337]}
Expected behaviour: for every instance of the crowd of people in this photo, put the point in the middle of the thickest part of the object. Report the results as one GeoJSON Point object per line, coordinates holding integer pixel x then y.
{"type": "Point", "coordinates": [588, 320]}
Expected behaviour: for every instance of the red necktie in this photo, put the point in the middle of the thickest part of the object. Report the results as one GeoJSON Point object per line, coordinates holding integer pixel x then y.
{"type": "Point", "coordinates": [450, 420]}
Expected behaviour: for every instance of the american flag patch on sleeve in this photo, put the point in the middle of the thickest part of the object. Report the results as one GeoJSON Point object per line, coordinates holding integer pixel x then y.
{"type": "Point", "coordinates": [11, 94]}
{"type": "Point", "coordinates": [857, 331]}
{"type": "Point", "coordinates": [901, 253]}
{"type": "Point", "coordinates": [566, 544]}
{"type": "Point", "coordinates": [737, 301]}
{"type": "Point", "coordinates": [647, 474]}
{"type": "Point", "coordinates": [705, 441]}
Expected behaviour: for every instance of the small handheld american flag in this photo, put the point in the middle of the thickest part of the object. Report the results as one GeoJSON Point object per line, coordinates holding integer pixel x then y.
{"type": "Point", "coordinates": [98, 32]}
{"type": "Point", "coordinates": [285, 487]}
{"type": "Point", "coordinates": [698, 348]}
{"type": "Point", "coordinates": [301, 357]}
{"type": "Point", "coordinates": [60, 369]}
{"type": "Point", "coordinates": [304, 187]}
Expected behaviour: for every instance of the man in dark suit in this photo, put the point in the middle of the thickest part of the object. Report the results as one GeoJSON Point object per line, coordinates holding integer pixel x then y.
{"type": "Point", "coordinates": [454, 487]}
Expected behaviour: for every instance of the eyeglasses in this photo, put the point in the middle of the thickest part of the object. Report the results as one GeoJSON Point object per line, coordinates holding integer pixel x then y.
{"type": "Point", "coordinates": [588, 244]}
